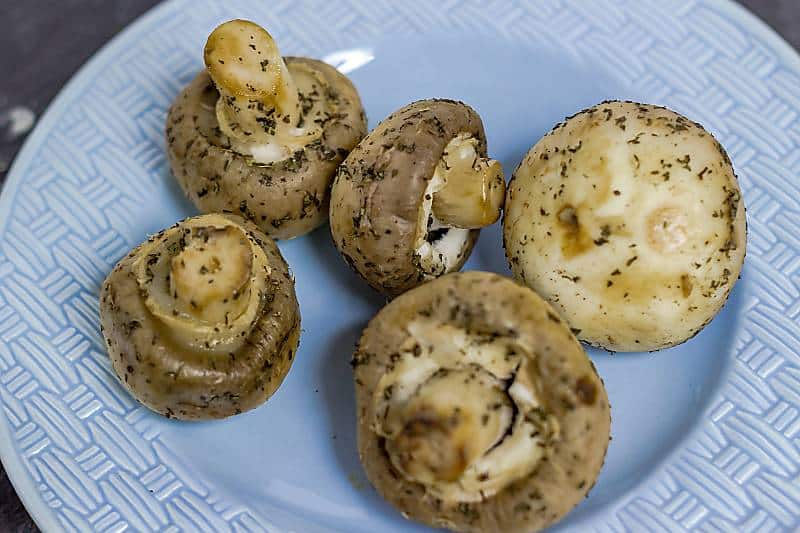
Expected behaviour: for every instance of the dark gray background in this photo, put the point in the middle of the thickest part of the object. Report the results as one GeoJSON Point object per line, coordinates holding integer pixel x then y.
{"type": "Point", "coordinates": [44, 42]}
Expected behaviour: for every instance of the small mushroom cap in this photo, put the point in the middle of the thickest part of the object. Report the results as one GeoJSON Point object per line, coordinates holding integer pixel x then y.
{"type": "Point", "coordinates": [430, 435]}
{"type": "Point", "coordinates": [284, 199]}
{"type": "Point", "coordinates": [178, 380]}
{"type": "Point", "coordinates": [380, 188]}
{"type": "Point", "coordinates": [628, 218]}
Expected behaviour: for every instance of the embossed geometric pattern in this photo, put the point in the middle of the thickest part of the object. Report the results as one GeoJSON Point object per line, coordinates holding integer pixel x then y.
{"type": "Point", "coordinates": [85, 446]}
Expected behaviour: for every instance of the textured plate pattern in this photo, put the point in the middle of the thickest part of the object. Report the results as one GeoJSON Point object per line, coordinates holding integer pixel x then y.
{"type": "Point", "coordinates": [87, 457]}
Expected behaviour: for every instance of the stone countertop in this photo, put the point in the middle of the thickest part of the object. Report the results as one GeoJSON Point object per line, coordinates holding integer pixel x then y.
{"type": "Point", "coordinates": [46, 41]}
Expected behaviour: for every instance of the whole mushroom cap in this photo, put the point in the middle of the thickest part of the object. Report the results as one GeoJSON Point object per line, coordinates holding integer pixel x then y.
{"type": "Point", "coordinates": [477, 408]}
{"type": "Point", "coordinates": [286, 197]}
{"type": "Point", "coordinates": [382, 201]}
{"type": "Point", "coordinates": [629, 219]}
{"type": "Point", "coordinates": [201, 320]}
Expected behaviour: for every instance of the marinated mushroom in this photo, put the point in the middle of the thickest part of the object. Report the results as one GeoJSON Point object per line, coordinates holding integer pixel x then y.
{"type": "Point", "coordinates": [201, 320]}
{"type": "Point", "coordinates": [408, 202]}
{"type": "Point", "coordinates": [628, 218]}
{"type": "Point", "coordinates": [261, 135]}
{"type": "Point", "coordinates": [477, 408]}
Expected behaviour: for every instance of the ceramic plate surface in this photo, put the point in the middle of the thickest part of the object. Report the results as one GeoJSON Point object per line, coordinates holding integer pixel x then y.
{"type": "Point", "coordinates": [706, 435]}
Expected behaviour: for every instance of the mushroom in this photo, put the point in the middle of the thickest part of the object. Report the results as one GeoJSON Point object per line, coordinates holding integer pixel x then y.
{"type": "Point", "coordinates": [628, 218]}
{"type": "Point", "coordinates": [261, 135]}
{"type": "Point", "coordinates": [408, 202]}
{"type": "Point", "coordinates": [477, 409]}
{"type": "Point", "coordinates": [201, 320]}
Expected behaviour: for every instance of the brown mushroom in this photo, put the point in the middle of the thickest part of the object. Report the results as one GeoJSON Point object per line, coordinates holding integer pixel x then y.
{"type": "Point", "coordinates": [408, 202]}
{"type": "Point", "coordinates": [261, 135]}
{"type": "Point", "coordinates": [201, 320]}
{"type": "Point", "coordinates": [477, 408]}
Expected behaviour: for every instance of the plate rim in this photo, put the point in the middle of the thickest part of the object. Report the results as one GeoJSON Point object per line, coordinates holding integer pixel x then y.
{"type": "Point", "coordinates": [24, 485]}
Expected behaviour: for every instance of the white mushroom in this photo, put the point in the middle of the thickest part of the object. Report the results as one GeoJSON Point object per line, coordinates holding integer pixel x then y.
{"type": "Point", "coordinates": [628, 218]}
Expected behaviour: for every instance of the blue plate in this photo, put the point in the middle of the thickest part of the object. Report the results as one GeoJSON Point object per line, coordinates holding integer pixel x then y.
{"type": "Point", "coordinates": [706, 435]}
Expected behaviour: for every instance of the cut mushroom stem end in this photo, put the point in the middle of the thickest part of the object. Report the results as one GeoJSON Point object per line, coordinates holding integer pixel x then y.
{"type": "Point", "coordinates": [212, 269]}
{"type": "Point", "coordinates": [257, 92]}
{"type": "Point", "coordinates": [474, 187]}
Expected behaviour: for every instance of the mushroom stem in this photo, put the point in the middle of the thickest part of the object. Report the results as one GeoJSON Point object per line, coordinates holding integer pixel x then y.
{"type": "Point", "coordinates": [209, 274]}
{"type": "Point", "coordinates": [474, 187]}
{"type": "Point", "coordinates": [257, 93]}
{"type": "Point", "coordinates": [452, 419]}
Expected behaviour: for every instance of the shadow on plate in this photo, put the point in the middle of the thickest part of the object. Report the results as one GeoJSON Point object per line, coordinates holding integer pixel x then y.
{"type": "Point", "coordinates": [339, 399]}
{"type": "Point", "coordinates": [327, 257]}
{"type": "Point", "coordinates": [488, 254]}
